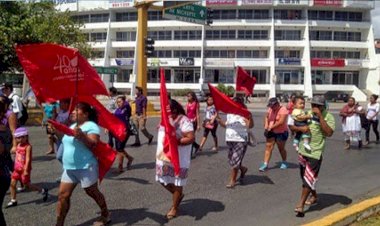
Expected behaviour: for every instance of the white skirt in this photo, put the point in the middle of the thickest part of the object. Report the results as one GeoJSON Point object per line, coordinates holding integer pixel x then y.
{"type": "Point", "coordinates": [352, 124]}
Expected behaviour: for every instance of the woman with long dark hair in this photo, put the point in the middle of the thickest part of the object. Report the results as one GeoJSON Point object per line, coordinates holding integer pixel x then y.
{"type": "Point", "coordinates": [373, 109]}
{"type": "Point", "coordinates": [192, 113]}
{"type": "Point", "coordinates": [164, 168]}
{"type": "Point", "coordinates": [80, 164]}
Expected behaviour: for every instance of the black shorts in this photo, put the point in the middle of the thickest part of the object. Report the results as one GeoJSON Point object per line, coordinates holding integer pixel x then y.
{"type": "Point", "coordinates": [213, 131]}
{"type": "Point", "coordinates": [278, 136]}
{"type": "Point", "coordinates": [119, 145]}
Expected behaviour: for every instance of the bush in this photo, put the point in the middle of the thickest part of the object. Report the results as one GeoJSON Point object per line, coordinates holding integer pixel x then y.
{"type": "Point", "coordinates": [228, 90]}
{"type": "Point", "coordinates": [181, 92]}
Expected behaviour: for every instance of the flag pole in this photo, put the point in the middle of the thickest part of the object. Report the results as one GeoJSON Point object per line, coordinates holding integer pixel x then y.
{"type": "Point", "coordinates": [76, 87]}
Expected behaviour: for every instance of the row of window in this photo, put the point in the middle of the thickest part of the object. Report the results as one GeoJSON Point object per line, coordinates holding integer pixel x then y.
{"type": "Point", "coordinates": [335, 54]}
{"type": "Point", "coordinates": [336, 36]}
{"type": "Point", "coordinates": [192, 75]}
{"type": "Point", "coordinates": [232, 14]}
{"type": "Point", "coordinates": [239, 54]}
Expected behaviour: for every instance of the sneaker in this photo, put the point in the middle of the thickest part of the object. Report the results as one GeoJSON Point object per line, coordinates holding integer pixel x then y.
{"type": "Point", "coordinates": [307, 146]}
{"type": "Point", "coordinates": [284, 165]}
{"type": "Point", "coordinates": [20, 189]}
{"type": "Point", "coordinates": [263, 167]}
{"type": "Point", "coordinates": [45, 194]}
{"type": "Point", "coordinates": [150, 139]}
{"type": "Point", "coordinates": [12, 203]}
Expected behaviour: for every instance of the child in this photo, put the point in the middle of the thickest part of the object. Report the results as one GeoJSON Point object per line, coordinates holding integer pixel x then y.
{"type": "Point", "coordinates": [23, 166]}
{"type": "Point", "coordinates": [210, 124]}
{"type": "Point", "coordinates": [300, 119]}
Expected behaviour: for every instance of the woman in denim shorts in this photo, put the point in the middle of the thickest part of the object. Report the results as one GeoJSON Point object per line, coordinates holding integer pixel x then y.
{"type": "Point", "coordinates": [80, 164]}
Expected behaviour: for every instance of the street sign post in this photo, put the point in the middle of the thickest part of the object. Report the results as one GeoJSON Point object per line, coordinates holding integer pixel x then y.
{"type": "Point", "coordinates": [188, 13]}
{"type": "Point", "coordinates": [107, 70]}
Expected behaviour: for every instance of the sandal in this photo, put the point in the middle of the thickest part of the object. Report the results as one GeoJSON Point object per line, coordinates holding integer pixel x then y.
{"type": "Point", "coordinates": [230, 186]}
{"type": "Point", "coordinates": [102, 220]}
{"type": "Point", "coordinates": [299, 212]}
{"type": "Point", "coordinates": [311, 201]}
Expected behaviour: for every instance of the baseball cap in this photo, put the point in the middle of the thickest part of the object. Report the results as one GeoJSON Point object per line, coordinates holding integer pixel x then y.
{"type": "Point", "coordinates": [272, 101]}
{"type": "Point", "coordinates": [20, 132]}
{"type": "Point", "coordinates": [318, 100]}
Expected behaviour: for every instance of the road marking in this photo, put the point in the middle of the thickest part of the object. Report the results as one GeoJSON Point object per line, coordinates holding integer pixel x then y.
{"type": "Point", "coordinates": [352, 211]}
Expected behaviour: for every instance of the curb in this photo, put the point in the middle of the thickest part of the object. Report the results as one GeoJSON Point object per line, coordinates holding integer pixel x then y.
{"type": "Point", "coordinates": [351, 214]}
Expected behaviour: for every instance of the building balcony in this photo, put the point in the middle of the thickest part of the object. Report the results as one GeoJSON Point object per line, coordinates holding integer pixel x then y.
{"type": "Point", "coordinates": [340, 24]}
{"type": "Point", "coordinates": [124, 24]}
{"type": "Point", "coordinates": [288, 3]}
{"type": "Point", "coordinates": [97, 45]}
{"type": "Point", "coordinates": [120, 44]}
{"type": "Point", "coordinates": [181, 44]}
{"type": "Point", "coordinates": [233, 62]}
{"type": "Point", "coordinates": [95, 27]}
{"type": "Point", "coordinates": [290, 22]}
{"type": "Point", "coordinates": [359, 4]}
{"type": "Point", "coordinates": [290, 43]}
{"type": "Point", "coordinates": [96, 61]}
{"type": "Point", "coordinates": [242, 22]}
{"type": "Point", "coordinates": [338, 44]}
{"type": "Point", "coordinates": [238, 43]}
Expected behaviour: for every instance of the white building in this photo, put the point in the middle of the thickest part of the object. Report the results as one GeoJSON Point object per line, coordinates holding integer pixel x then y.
{"type": "Point", "coordinates": [310, 46]}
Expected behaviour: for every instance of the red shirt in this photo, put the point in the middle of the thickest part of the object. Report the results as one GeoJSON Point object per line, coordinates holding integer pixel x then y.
{"type": "Point", "coordinates": [191, 110]}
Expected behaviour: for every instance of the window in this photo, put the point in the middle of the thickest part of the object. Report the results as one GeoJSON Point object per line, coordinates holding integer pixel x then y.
{"type": "Point", "coordinates": [320, 54]}
{"type": "Point", "coordinates": [82, 18]}
{"type": "Point", "coordinates": [341, 16]}
{"type": "Point", "coordinates": [130, 16]}
{"type": "Point", "coordinates": [123, 76]}
{"type": "Point", "coordinates": [224, 14]}
{"type": "Point", "coordinates": [288, 77]}
{"type": "Point", "coordinates": [287, 35]}
{"type": "Point", "coordinates": [252, 54]}
{"type": "Point", "coordinates": [98, 37]}
{"type": "Point", "coordinates": [219, 76]}
{"type": "Point", "coordinates": [187, 53]}
{"type": "Point", "coordinates": [125, 54]}
{"type": "Point", "coordinates": [188, 35]}
{"type": "Point", "coordinates": [186, 75]}
{"type": "Point", "coordinates": [154, 75]}
{"type": "Point", "coordinates": [254, 35]}
{"type": "Point", "coordinates": [320, 15]}
{"type": "Point", "coordinates": [98, 18]}
{"type": "Point", "coordinates": [220, 54]}
{"type": "Point", "coordinates": [261, 76]}
{"type": "Point", "coordinates": [346, 55]}
{"type": "Point", "coordinates": [154, 15]}
{"type": "Point", "coordinates": [349, 16]}
{"type": "Point", "coordinates": [288, 14]}
{"type": "Point", "coordinates": [320, 77]}
{"type": "Point", "coordinates": [287, 54]}
{"type": "Point", "coordinates": [249, 14]}
{"type": "Point", "coordinates": [160, 35]}
{"type": "Point", "coordinates": [320, 35]}
{"type": "Point", "coordinates": [347, 36]}
{"type": "Point", "coordinates": [220, 34]}
{"type": "Point", "coordinates": [345, 78]}
{"type": "Point", "coordinates": [261, 14]}
{"type": "Point", "coordinates": [126, 36]}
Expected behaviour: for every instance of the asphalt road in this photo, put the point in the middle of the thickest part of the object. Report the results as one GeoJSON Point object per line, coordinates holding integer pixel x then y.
{"type": "Point", "coordinates": [266, 198]}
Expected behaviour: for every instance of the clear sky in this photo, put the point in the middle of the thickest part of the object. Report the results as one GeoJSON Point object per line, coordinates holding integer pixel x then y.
{"type": "Point", "coordinates": [376, 19]}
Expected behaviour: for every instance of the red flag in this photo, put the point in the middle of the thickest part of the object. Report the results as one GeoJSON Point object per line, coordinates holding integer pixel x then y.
{"type": "Point", "coordinates": [170, 140]}
{"type": "Point", "coordinates": [225, 104]}
{"type": "Point", "coordinates": [103, 152]}
{"type": "Point", "coordinates": [54, 72]}
{"type": "Point", "coordinates": [105, 118]}
{"type": "Point", "coordinates": [244, 82]}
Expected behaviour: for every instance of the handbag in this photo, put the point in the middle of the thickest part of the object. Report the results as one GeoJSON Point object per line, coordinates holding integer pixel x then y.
{"type": "Point", "coordinates": [132, 128]}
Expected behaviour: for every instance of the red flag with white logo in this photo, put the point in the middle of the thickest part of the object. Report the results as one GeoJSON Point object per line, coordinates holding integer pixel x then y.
{"type": "Point", "coordinates": [225, 104]}
{"type": "Point", "coordinates": [170, 145]}
{"type": "Point", "coordinates": [56, 72]}
{"type": "Point", "coordinates": [244, 82]}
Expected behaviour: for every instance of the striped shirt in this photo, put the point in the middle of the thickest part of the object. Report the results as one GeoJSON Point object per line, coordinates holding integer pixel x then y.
{"type": "Point", "coordinates": [318, 140]}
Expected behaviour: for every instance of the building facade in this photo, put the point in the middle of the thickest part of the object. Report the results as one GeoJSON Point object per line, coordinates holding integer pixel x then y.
{"type": "Point", "coordinates": [307, 46]}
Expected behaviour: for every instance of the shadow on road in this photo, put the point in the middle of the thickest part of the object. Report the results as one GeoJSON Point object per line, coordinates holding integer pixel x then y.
{"type": "Point", "coordinates": [43, 158]}
{"type": "Point", "coordinates": [147, 165]}
{"type": "Point", "coordinates": [254, 179]}
{"type": "Point", "coordinates": [129, 217]}
{"type": "Point", "coordinates": [327, 200]}
{"type": "Point", "coordinates": [131, 179]}
{"type": "Point", "coordinates": [199, 208]}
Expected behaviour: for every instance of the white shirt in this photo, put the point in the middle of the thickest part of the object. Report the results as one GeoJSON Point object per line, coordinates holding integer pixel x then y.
{"type": "Point", "coordinates": [372, 110]}
{"type": "Point", "coordinates": [16, 105]}
{"type": "Point", "coordinates": [236, 128]}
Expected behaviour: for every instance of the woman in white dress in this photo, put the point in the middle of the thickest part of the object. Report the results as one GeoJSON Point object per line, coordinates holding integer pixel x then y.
{"type": "Point", "coordinates": [164, 168]}
{"type": "Point", "coordinates": [351, 124]}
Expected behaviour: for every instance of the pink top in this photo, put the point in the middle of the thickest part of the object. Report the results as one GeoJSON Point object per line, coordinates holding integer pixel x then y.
{"type": "Point", "coordinates": [275, 116]}
{"type": "Point", "coordinates": [20, 158]}
{"type": "Point", "coordinates": [191, 111]}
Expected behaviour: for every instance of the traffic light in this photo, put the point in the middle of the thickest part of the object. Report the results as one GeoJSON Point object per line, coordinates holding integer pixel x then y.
{"type": "Point", "coordinates": [210, 16]}
{"type": "Point", "coordinates": [149, 47]}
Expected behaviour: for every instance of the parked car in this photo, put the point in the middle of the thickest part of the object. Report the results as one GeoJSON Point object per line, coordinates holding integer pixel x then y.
{"type": "Point", "coordinates": [335, 96]}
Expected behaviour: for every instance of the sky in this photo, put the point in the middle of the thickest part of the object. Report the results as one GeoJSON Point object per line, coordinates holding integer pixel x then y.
{"type": "Point", "coordinates": [376, 19]}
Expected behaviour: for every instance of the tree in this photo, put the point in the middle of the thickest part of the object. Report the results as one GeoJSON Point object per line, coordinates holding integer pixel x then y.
{"type": "Point", "coordinates": [35, 22]}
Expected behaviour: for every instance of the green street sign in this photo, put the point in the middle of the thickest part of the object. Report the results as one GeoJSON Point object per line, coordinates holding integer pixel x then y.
{"type": "Point", "coordinates": [107, 70]}
{"type": "Point", "coordinates": [188, 13]}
